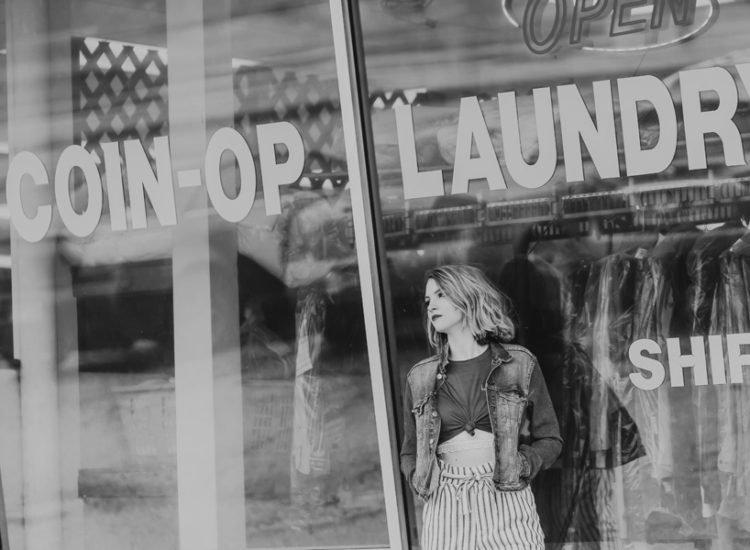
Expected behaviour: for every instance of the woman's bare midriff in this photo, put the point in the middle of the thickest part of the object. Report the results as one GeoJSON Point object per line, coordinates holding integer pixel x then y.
{"type": "Point", "coordinates": [466, 449]}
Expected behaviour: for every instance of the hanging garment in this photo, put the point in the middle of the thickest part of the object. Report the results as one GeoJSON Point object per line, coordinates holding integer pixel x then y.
{"type": "Point", "coordinates": [709, 310]}
{"type": "Point", "coordinates": [673, 417]}
{"type": "Point", "coordinates": [609, 304]}
{"type": "Point", "coordinates": [315, 255]}
{"type": "Point", "coordinates": [650, 409]}
{"type": "Point", "coordinates": [704, 274]}
{"type": "Point", "coordinates": [575, 498]}
{"type": "Point", "coordinates": [586, 396]}
{"type": "Point", "coordinates": [671, 494]}
{"type": "Point", "coordinates": [733, 399]}
{"type": "Point", "coordinates": [669, 264]}
{"type": "Point", "coordinates": [539, 300]}
{"type": "Point", "coordinates": [622, 305]}
{"type": "Point", "coordinates": [311, 459]}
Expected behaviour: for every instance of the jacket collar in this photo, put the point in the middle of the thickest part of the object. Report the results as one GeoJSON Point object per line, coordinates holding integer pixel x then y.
{"type": "Point", "coordinates": [499, 354]}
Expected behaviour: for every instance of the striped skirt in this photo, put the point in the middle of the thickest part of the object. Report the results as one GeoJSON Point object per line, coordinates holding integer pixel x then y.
{"type": "Point", "coordinates": [466, 512]}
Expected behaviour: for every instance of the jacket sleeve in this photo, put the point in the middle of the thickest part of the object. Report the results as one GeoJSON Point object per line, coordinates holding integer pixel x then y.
{"type": "Point", "coordinates": [409, 443]}
{"type": "Point", "coordinates": [545, 444]}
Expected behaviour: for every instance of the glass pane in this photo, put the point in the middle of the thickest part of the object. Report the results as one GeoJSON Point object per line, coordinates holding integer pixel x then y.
{"type": "Point", "coordinates": [564, 158]}
{"type": "Point", "coordinates": [312, 469]}
{"type": "Point", "coordinates": [101, 345]}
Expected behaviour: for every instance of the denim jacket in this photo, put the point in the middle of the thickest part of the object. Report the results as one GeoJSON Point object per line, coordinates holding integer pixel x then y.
{"type": "Point", "coordinates": [525, 428]}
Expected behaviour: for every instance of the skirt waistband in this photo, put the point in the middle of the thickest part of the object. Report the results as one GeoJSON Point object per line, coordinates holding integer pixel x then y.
{"type": "Point", "coordinates": [465, 472]}
{"type": "Point", "coordinates": [467, 478]}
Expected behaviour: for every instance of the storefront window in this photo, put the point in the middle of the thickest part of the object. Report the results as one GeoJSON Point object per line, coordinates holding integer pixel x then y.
{"type": "Point", "coordinates": [191, 355]}
{"type": "Point", "coordinates": [194, 366]}
{"type": "Point", "coordinates": [571, 158]}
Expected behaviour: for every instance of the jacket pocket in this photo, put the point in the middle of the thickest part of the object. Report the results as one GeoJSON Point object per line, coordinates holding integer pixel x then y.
{"type": "Point", "coordinates": [425, 457]}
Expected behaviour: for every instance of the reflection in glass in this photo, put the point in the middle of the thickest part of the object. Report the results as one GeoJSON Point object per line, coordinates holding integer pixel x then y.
{"type": "Point", "coordinates": [312, 467]}
{"type": "Point", "coordinates": [592, 266]}
{"type": "Point", "coordinates": [312, 471]}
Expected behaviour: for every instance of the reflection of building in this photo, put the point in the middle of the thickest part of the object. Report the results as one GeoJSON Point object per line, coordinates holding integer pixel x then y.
{"type": "Point", "coordinates": [216, 385]}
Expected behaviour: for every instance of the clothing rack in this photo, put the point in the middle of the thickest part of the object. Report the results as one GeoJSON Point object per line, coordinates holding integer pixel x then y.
{"type": "Point", "coordinates": [636, 207]}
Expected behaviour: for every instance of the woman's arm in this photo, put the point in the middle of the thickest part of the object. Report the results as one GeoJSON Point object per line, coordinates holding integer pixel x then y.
{"type": "Point", "coordinates": [546, 443]}
{"type": "Point", "coordinates": [409, 443]}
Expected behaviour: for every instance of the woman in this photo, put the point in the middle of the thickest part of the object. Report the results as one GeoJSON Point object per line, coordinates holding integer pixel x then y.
{"type": "Point", "coordinates": [481, 423]}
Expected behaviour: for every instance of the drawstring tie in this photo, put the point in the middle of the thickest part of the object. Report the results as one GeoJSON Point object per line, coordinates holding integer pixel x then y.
{"type": "Point", "coordinates": [468, 481]}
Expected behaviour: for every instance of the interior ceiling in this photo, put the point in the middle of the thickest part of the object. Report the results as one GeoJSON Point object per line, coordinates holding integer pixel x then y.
{"type": "Point", "coordinates": [474, 43]}
{"type": "Point", "coordinates": [446, 44]}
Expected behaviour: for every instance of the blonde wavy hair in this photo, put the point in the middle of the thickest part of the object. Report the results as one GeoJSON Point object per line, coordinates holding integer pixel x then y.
{"type": "Point", "coordinates": [486, 310]}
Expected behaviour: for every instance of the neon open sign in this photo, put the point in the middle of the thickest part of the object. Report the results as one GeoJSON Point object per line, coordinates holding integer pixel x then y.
{"type": "Point", "coordinates": [611, 25]}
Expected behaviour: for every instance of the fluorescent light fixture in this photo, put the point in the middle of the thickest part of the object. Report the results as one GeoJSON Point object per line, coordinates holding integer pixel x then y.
{"type": "Point", "coordinates": [237, 63]}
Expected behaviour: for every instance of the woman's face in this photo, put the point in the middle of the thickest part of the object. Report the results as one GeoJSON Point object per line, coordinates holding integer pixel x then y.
{"type": "Point", "coordinates": [441, 312]}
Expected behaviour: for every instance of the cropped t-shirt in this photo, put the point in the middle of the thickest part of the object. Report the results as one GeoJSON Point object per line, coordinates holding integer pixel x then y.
{"type": "Point", "coordinates": [461, 402]}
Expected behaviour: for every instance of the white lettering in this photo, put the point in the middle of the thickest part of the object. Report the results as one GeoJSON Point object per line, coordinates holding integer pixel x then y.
{"type": "Point", "coordinates": [531, 176]}
{"type": "Point", "coordinates": [416, 184]}
{"type": "Point", "coordinates": [736, 358]}
{"type": "Point", "coordinates": [473, 129]}
{"type": "Point", "coordinates": [716, 356]}
{"type": "Point", "coordinates": [695, 360]}
{"type": "Point", "coordinates": [648, 364]}
{"type": "Point", "coordinates": [718, 121]}
{"type": "Point", "coordinates": [275, 174]}
{"type": "Point", "coordinates": [115, 193]}
{"type": "Point", "coordinates": [80, 224]}
{"type": "Point", "coordinates": [576, 125]}
{"type": "Point", "coordinates": [237, 208]}
{"type": "Point", "coordinates": [34, 228]}
{"type": "Point", "coordinates": [649, 89]}
{"type": "Point", "coordinates": [142, 181]}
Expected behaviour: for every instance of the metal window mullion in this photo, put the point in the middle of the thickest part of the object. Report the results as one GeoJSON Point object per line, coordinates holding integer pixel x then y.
{"type": "Point", "coordinates": [350, 82]}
